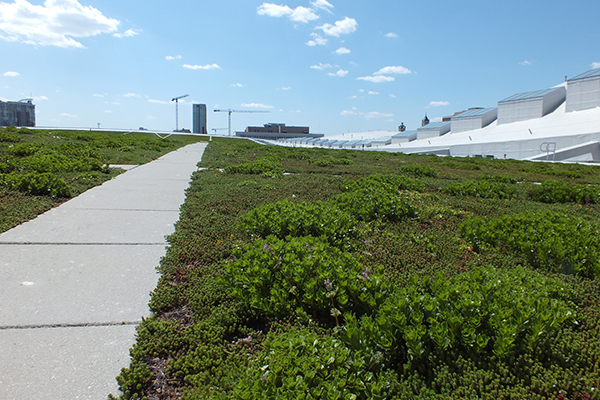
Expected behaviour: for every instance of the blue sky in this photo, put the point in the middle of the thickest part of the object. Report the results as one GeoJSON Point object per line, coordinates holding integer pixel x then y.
{"type": "Point", "coordinates": [336, 66]}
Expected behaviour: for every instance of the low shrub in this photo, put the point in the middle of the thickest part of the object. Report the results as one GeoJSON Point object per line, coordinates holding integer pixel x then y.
{"type": "Point", "coordinates": [368, 204]}
{"type": "Point", "coordinates": [487, 188]}
{"type": "Point", "coordinates": [390, 182]}
{"type": "Point", "coordinates": [43, 184]}
{"type": "Point", "coordinates": [261, 166]}
{"type": "Point", "coordinates": [330, 161]}
{"type": "Point", "coordinates": [9, 138]}
{"type": "Point", "coordinates": [548, 240]}
{"type": "Point", "coordinates": [496, 314]}
{"type": "Point", "coordinates": [419, 170]}
{"type": "Point", "coordinates": [24, 149]}
{"type": "Point", "coordinates": [285, 218]}
{"type": "Point", "coordinates": [302, 276]}
{"type": "Point", "coordinates": [553, 191]}
{"type": "Point", "coordinates": [302, 364]}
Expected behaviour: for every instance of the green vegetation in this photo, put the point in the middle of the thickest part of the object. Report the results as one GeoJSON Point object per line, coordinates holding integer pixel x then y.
{"type": "Point", "coordinates": [373, 280]}
{"type": "Point", "coordinates": [39, 169]}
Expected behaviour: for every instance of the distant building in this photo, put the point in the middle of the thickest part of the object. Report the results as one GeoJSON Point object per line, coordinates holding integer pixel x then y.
{"type": "Point", "coordinates": [474, 118]}
{"type": "Point", "coordinates": [583, 91]}
{"type": "Point", "coordinates": [435, 129]}
{"type": "Point", "coordinates": [199, 122]}
{"type": "Point", "coordinates": [17, 113]}
{"type": "Point", "coordinates": [529, 105]}
{"type": "Point", "coordinates": [273, 131]}
{"type": "Point", "coordinates": [425, 121]}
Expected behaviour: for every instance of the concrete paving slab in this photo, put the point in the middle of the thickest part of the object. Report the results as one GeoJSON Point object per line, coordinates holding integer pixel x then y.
{"type": "Point", "coordinates": [95, 227]}
{"type": "Point", "coordinates": [63, 363]}
{"type": "Point", "coordinates": [49, 284]}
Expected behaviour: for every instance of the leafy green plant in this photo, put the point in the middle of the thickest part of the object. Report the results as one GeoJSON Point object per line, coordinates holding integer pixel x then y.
{"type": "Point", "coordinates": [389, 182]}
{"type": "Point", "coordinates": [549, 240]}
{"type": "Point", "coordinates": [43, 184]}
{"type": "Point", "coordinates": [419, 170]}
{"type": "Point", "coordinates": [553, 191]}
{"type": "Point", "coordinates": [8, 138]}
{"type": "Point", "coordinates": [285, 218]}
{"type": "Point", "coordinates": [486, 188]}
{"type": "Point", "coordinates": [369, 204]}
{"type": "Point", "coordinates": [24, 149]}
{"type": "Point", "coordinates": [261, 166]}
{"type": "Point", "coordinates": [496, 313]}
{"type": "Point", "coordinates": [330, 161]}
{"type": "Point", "coordinates": [302, 363]}
{"type": "Point", "coordinates": [303, 276]}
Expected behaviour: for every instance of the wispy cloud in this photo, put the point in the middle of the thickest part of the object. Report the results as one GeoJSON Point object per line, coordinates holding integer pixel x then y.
{"type": "Point", "coordinates": [526, 62]}
{"type": "Point", "coordinates": [377, 79]}
{"type": "Point", "coordinates": [595, 65]}
{"type": "Point", "coordinates": [342, 27]}
{"type": "Point", "coordinates": [342, 50]}
{"type": "Point", "coordinates": [67, 115]}
{"type": "Point", "coordinates": [369, 115]}
{"type": "Point", "coordinates": [391, 35]}
{"type": "Point", "coordinates": [170, 58]}
{"type": "Point", "coordinates": [128, 33]}
{"type": "Point", "coordinates": [153, 101]}
{"type": "Point", "coordinates": [256, 105]}
{"type": "Point", "coordinates": [341, 73]}
{"type": "Point", "coordinates": [321, 66]}
{"type": "Point", "coordinates": [97, 95]}
{"type": "Point", "coordinates": [439, 103]}
{"type": "Point", "coordinates": [237, 85]}
{"type": "Point", "coordinates": [285, 88]}
{"type": "Point", "coordinates": [56, 23]}
{"type": "Point", "coordinates": [11, 74]}
{"type": "Point", "coordinates": [322, 4]}
{"type": "Point", "coordinates": [298, 14]}
{"type": "Point", "coordinates": [393, 96]}
{"type": "Point", "coordinates": [371, 92]}
{"type": "Point", "coordinates": [195, 67]}
{"type": "Point", "coordinates": [108, 111]}
{"type": "Point", "coordinates": [316, 40]}
{"type": "Point", "coordinates": [40, 98]}
{"type": "Point", "coordinates": [393, 70]}
{"type": "Point", "coordinates": [131, 95]}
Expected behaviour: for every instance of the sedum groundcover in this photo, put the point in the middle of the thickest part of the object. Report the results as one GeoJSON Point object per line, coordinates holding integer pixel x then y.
{"type": "Point", "coordinates": [320, 274]}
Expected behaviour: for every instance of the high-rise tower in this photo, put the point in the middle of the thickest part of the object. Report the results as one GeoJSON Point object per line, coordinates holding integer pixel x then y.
{"type": "Point", "coordinates": [199, 123]}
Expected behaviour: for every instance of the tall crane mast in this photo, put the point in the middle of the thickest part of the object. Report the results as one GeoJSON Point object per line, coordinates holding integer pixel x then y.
{"type": "Point", "coordinates": [229, 111]}
{"type": "Point", "coordinates": [176, 100]}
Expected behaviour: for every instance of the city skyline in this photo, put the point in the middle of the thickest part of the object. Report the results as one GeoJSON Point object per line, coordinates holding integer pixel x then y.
{"type": "Point", "coordinates": [332, 66]}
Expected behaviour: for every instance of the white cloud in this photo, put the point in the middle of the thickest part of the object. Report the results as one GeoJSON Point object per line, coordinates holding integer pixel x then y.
{"type": "Point", "coordinates": [169, 58]}
{"type": "Point", "coordinates": [371, 92]}
{"type": "Point", "coordinates": [274, 10]}
{"type": "Point", "coordinates": [377, 114]}
{"type": "Point", "coordinates": [377, 79]}
{"type": "Point", "coordinates": [345, 26]}
{"type": "Point", "coordinates": [393, 96]}
{"type": "Point", "coordinates": [11, 74]}
{"type": "Point", "coordinates": [303, 14]}
{"type": "Point", "coordinates": [342, 50]}
{"type": "Point", "coordinates": [595, 65]}
{"type": "Point", "coordinates": [321, 66]}
{"type": "Point", "coordinates": [322, 4]}
{"type": "Point", "coordinates": [439, 103]}
{"type": "Point", "coordinates": [128, 33]}
{"type": "Point", "coordinates": [348, 112]}
{"type": "Point", "coordinates": [286, 88]}
{"type": "Point", "coordinates": [97, 95]}
{"type": "Point", "coordinates": [340, 73]}
{"type": "Point", "coordinates": [131, 95]}
{"type": "Point", "coordinates": [256, 105]}
{"type": "Point", "coordinates": [392, 35]}
{"type": "Point", "coordinates": [40, 98]}
{"type": "Point", "coordinates": [153, 101]}
{"type": "Point", "coordinates": [151, 117]}
{"type": "Point", "coordinates": [68, 115]}
{"type": "Point", "coordinates": [195, 67]}
{"type": "Point", "coordinates": [526, 62]}
{"type": "Point", "coordinates": [55, 23]}
{"type": "Point", "coordinates": [116, 103]}
{"type": "Point", "coordinates": [237, 85]}
{"type": "Point", "coordinates": [299, 14]}
{"type": "Point", "coordinates": [393, 70]}
{"type": "Point", "coordinates": [107, 111]}
{"type": "Point", "coordinates": [316, 40]}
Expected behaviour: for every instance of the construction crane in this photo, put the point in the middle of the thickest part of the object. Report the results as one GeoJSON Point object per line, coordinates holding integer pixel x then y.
{"type": "Point", "coordinates": [218, 129]}
{"type": "Point", "coordinates": [229, 111]}
{"type": "Point", "coordinates": [176, 100]}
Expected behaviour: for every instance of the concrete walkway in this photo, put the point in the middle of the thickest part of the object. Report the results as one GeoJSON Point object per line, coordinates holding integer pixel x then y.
{"type": "Point", "coordinates": [76, 281]}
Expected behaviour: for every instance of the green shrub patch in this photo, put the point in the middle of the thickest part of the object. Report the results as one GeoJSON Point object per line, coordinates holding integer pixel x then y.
{"type": "Point", "coordinates": [553, 191]}
{"type": "Point", "coordinates": [488, 187]}
{"type": "Point", "coordinates": [303, 276]}
{"type": "Point", "coordinates": [550, 240]}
